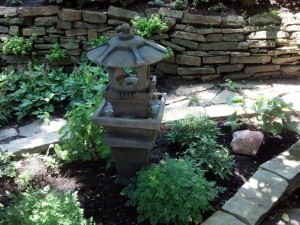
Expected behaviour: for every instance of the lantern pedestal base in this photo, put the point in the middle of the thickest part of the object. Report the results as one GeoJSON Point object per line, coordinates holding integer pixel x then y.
{"type": "Point", "coordinates": [131, 139]}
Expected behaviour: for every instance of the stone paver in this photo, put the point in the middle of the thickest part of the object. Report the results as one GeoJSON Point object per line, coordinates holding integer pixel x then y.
{"type": "Point", "coordinates": [190, 89]}
{"type": "Point", "coordinates": [38, 127]}
{"type": "Point", "coordinates": [173, 99]}
{"type": "Point", "coordinates": [223, 97]}
{"type": "Point", "coordinates": [34, 144]}
{"type": "Point", "coordinates": [256, 197]}
{"type": "Point", "coordinates": [205, 98]}
{"type": "Point", "coordinates": [285, 217]}
{"type": "Point", "coordinates": [8, 133]}
{"type": "Point", "coordinates": [180, 113]}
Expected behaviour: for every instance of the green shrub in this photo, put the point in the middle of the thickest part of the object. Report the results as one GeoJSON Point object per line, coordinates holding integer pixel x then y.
{"type": "Point", "coordinates": [7, 166]}
{"type": "Point", "coordinates": [43, 207]}
{"type": "Point", "coordinates": [169, 53]}
{"type": "Point", "coordinates": [34, 91]}
{"type": "Point", "coordinates": [146, 27]}
{"type": "Point", "coordinates": [219, 7]}
{"type": "Point", "coordinates": [198, 136]}
{"type": "Point", "coordinates": [179, 4]}
{"type": "Point", "coordinates": [18, 45]}
{"type": "Point", "coordinates": [56, 53]}
{"type": "Point", "coordinates": [272, 115]}
{"type": "Point", "coordinates": [94, 42]}
{"type": "Point", "coordinates": [173, 192]}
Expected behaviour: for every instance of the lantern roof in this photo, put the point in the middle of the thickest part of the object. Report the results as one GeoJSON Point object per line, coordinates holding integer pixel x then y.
{"type": "Point", "coordinates": [126, 50]}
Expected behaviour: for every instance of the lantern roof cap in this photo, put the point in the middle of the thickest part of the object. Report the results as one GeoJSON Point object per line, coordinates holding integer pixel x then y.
{"type": "Point", "coordinates": [126, 50]}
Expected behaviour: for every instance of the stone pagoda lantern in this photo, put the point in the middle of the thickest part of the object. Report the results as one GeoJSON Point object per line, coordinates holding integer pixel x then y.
{"type": "Point", "coordinates": [131, 111]}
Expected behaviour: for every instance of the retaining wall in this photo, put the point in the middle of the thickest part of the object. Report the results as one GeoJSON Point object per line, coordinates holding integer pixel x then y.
{"type": "Point", "coordinates": [206, 47]}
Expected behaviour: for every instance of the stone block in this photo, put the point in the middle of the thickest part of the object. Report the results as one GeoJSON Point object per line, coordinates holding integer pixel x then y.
{"type": "Point", "coordinates": [8, 11]}
{"type": "Point", "coordinates": [206, 78]}
{"type": "Point", "coordinates": [75, 52]}
{"type": "Point", "coordinates": [39, 31]}
{"type": "Point", "coordinates": [167, 68]}
{"type": "Point", "coordinates": [208, 31]}
{"type": "Point", "coordinates": [236, 76]}
{"type": "Point", "coordinates": [3, 29]}
{"type": "Point", "coordinates": [35, 144]}
{"type": "Point", "coordinates": [114, 22]}
{"type": "Point", "coordinates": [261, 44]}
{"type": "Point", "coordinates": [43, 46]}
{"type": "Point", "coordinates": [197, 53]}
{"type": "Point", "coordinates": [47, 21]}
{"type": "Point", "coordinates": [200, 19]}
{"type": "Point", "coordinates": [171, 13]}
{"type": "Point", "coordinates": [291, 28]}
{"type": "Point", "coordinates": [195, 70]}
{"type": "Point", "coordinates": [290, 70]}
{"type": "Point", "coordinates": [185, 43]}
{"type": "Point", "coordinates": [295, 35]}
{"type": "Point", "coordinates": [185, 28]}
{"type": "Point", "coordinates": [215, 46]}
{"type": "Point", "coordinates": [158, 37]}
{"type": "Point", "coordinates": [92, 33]}
{"type": "Point", "coordinates": [8, 133]}
{"type": "Point", "coordinates": [170, 22]}
{"type": "Point", "coordinates": [70, 45]}
{"type": "Point", "coordinates": [230, 68]}
{"type": "Point", "coordinates": [261, 68]}
{"type": "Point", "coordinates": [172, 45]}
{"type": "Point", "coordinates": [24, 21]}
{"type": "Point", "coordinates": [122, 14]}
{"type": "Point", "coordinates": [263, 19]}
{"type": "Point", "coordinates": [287, 164]}
{"type": "Point", "coordinates": [290, 19]}
{"type": "Point", "coordinates": [150, 11]}
{"type": "Point", "coordinates": [51, 39]}
{"type": "Point", "coordinates": [188, 60]}
{"type": "Point", "coordinates": [261, 59]}
{"type": "Point", "coordinates": [232, 31]}
{"type": "Point", "coordinates": [222, 218]}
{"type": "Point", "coordinates": [233, 21]}
{"type": "Point", "coordinates": [190, 89]}
{"type": "Point", "coordinates": [256, 197]}
{"type": "Point", "coordinates": [38, 11]}
{"type": "Point", "coordinates": [70, 15]}
{"type": "Point", "coordinates": [76, 32]}
{"type": "Point", "coordinates": [242, 46]}
{"type": "Point", "coordinates": [234, 37]}
{"type": "Point", "coordinates": [215, 59]}
{"type": "Point", "coordinates": [54, 30]}
{"type": "Point", "coordinates": [64, 25]}
{"type": "Point", "coordinates": [80, 24]}
{"type": "Point", "coordinates": [286, 60]}
{"type": "Point", "coordinates": [266, 35]}
{"type": "Point", "coordinates": [93, 17]}
{"type": "Point", "coordinates": [13, 30]}
{"type": "Point", "coordinates": [214, 37]}
{"type": "Point", "coordinates": [188, 36]}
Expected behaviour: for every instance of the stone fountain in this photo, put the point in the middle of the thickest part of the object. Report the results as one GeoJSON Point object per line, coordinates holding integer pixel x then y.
{"type": "Point", "coordinates": [131, 111]}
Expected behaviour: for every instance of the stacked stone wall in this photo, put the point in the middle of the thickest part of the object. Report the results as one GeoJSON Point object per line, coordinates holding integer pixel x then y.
{"type": "Point", "coordinates": [205, 47]}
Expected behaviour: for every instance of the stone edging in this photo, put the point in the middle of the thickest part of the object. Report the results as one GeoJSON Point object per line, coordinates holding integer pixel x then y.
{"type": "Point", "coordinates": [273, 182]}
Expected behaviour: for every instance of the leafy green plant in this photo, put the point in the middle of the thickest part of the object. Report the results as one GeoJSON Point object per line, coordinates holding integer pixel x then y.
{"type": "Point", "coordinates": [56, 53]}
{"type": "Point", "coordinates": [169, 53]}
{"type": "Point", "coordinates": [23, 179]}
{"type": "Point", "coordinates": [94, 42]}
{"type": "Point", "coordinates": [273, 116]}
{"type": "Point", "coordinates": [230, 85]}
{"type": "Point", "coordinates": [174, 191]}
{"type": "Point", "coordinates": [18, 45]}
{"type": "Point", "coordinates": [179, 4]}
{"type": "Point", "coordinates": [43, 207]}
{"type": "Point", "coordinates": [146, 27]}
{"type": "Point", "coordinates": [33, 91]}
{"type": "Point", "coordinates": [197, 136]}
{"type": "Point", "coordinates": [14, 2]}
{"type": "Point", "coordinates": [7, 166]}
{"type": "Point", "coordinates": [194, 100]}
{"type": "Point", "coordinates": [219, 7]}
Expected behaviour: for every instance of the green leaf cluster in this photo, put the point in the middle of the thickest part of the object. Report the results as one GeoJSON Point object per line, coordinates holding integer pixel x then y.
{"type": "Point", "coordinates": [198, 136]}
{"type": "Point", "coordinates": [174, 191]}
{"type": "Point", "coordinates": [43, 207]}
{"type": "Point", "coordinates": [94, 42]}
{"type": "Point", "coordinates": [56, 53]}
{"type": "Point", "coordinates": [7, 166]}
{"type": "Point", "coordinates": [179, 4]}
{"type": "Point", "coordinates": [18, 45]}
{"type": "Point", "coordinates": [273, 115]}
{"type": "Point", "coordinates": [146, 27]}
{"type": "Point", "coordinates": [169, 53]}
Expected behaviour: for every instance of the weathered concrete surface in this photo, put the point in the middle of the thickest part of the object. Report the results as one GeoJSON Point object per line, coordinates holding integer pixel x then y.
{"type": "Point", "coordinates": [8, 133]}
{"type": "Point", "coordinates": [220, 218]}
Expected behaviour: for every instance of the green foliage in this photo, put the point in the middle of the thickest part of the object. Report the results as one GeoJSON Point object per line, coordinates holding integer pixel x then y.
{"type": "Point", "coordinates": [173, 192]}
{"type": "Point", "coordinates": [14, 2]}
{"type": "Point", "coordinates": [230, 85]}
{"type": "Point", "coordinates": [156, 2]}
{"type": "Point", "coordinates": [194, 100]}
{"type": "Point", "coordinates": [94, 42]}
{"type": "Point", "coordinates": [7, 166]}
{"type": "Point", "coordinates": [18, 45]}
{"type": "Point", "coordinates": [273, 116]}
{"type": "Point", "coordinates": [169, 53]}
{"type": "Point", "coordinates": [43, 207]}
{"type": "Point", "coordinates": [34, 91]}
{"type": "Point", "coordinates": [146, 27]}
{"type": "Point", "coordinates": [179, 4]}
{"type": "Point", "coordinates": [219, 7]}
{"type": "Point", "coordinates": [122, 2]}
{"type": "Point", "coordinates": [56, 53]}
{"type": "Point", "coordinates": [198, 136]}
